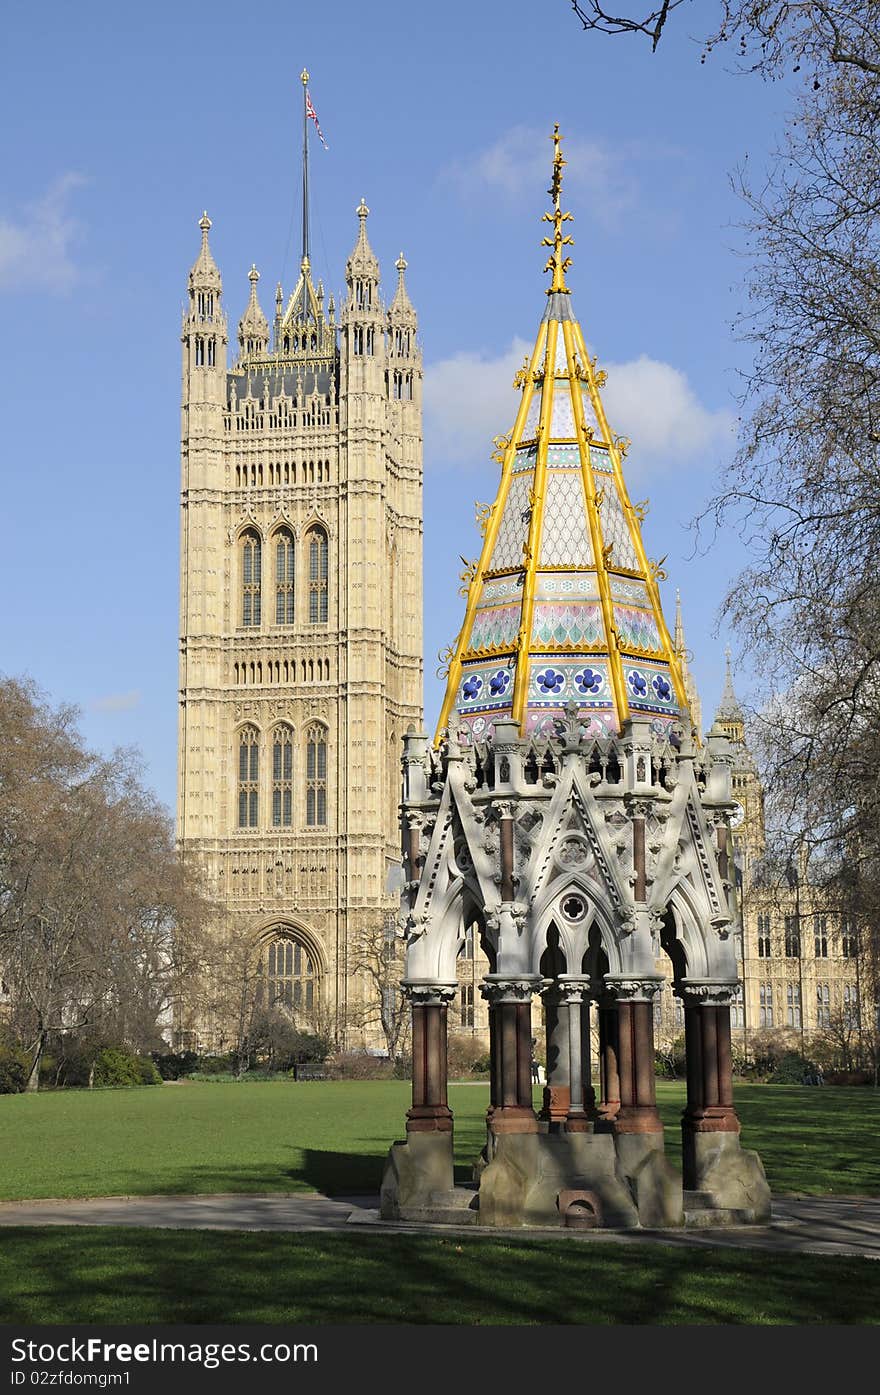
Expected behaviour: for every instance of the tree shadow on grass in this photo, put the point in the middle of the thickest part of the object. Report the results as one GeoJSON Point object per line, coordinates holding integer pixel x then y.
{"type": "Point", "coordinates": [101, 1274]}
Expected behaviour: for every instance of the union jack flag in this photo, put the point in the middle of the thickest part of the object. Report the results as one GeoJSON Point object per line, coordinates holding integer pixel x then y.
{"type": "Point", "coordinates": [312, 114]}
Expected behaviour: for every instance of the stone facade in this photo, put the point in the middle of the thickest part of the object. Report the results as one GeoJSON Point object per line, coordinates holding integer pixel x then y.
{"type": "Point", "coordinates": [300, 623]}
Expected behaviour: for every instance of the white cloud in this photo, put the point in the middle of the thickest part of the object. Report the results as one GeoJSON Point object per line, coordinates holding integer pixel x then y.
{"type": "Point", "coordinates": [36, 248]}
{"type": "Point", "coordinates": [518, 163]}
{"type": "Point", "coordinates": [116, 702]}
{"type": "Point", "coordinates": [469, 398]}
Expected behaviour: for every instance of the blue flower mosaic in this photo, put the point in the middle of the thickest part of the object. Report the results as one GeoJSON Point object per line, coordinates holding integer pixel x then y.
{"type": "Point", "coordinates": [588, 680]}
{"type": "Point", "coordinates": [499, 682]}
{"type": "Point", "coordinates": [663, 688]}
{"type": "Point", "coordinates": [550, 681]}
{"type": "Point", "coordinates": [471, 688]}
{"type": "Point", "coordinates": [638, 683]}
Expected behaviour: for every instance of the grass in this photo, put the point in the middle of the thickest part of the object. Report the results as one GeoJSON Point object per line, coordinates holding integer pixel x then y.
{"type": "Point", "coordinates": [104, 1275]}
{"type": "Point", "coordinates": [334, 1136]}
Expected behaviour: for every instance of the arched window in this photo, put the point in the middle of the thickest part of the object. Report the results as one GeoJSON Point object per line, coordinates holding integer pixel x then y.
{"type": "Point", "coordinates": [282, 778]}
{"type": "Point", "coordinates": [248, 777]}
{"type": "Point", "coordinates": [284, 577]}
{"type": "Point", "coordinates": [291, 973]}
{"type": "Point", "coordinates": [318, 554]}
{"type": "Point", "coordinates": [316, 777]}
{"type": "Point", "coordinates": [251, 574]}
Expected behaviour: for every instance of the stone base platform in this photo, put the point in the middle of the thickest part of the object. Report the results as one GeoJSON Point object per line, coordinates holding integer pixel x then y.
{"type": "Point", "coordinates": [583, 1181]}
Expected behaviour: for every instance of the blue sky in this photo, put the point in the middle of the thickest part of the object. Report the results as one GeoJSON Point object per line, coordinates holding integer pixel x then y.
{"type": "Point", "coordinates": [124, 124]}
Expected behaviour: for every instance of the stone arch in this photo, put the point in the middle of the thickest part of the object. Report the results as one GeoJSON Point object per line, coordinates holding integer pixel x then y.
{"type": "Point", "coordinates": [574, 935]}
{"type": "Point", "coordinates": [293, 966]}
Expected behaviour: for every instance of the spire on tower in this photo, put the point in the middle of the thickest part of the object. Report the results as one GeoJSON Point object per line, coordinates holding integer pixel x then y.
{"type": "Point", "coordinates": [205, 274]}
{"type": "Point", "coordinates": [563, 604]}
{"type": "Point", "coordinates": [253, 327]}
{"type": "Point", "coordinates": [729, 705]}
{"type": "Point", "coordinates": [401, 306]}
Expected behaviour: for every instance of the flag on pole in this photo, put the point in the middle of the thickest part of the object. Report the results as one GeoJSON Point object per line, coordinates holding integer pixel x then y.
{"type": "Point", "coordinates": [312, 114]}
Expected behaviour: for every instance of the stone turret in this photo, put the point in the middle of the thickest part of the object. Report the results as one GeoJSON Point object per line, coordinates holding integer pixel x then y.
{"type": "Point", "coordinates": [253, 327]}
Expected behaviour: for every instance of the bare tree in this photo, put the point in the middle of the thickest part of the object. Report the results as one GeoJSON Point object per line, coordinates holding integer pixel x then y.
{"type": "Point", "coordinates": [377, 960]}
{"type": "Point", "coordinates": [768, 36]}
{"type": "Point", "coordinates": [99, 917]}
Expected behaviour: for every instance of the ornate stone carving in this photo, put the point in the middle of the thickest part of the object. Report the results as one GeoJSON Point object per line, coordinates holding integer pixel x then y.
{"type": "Point", "coordinates": [429, 994]}
{"type": "Point", "coordinates": [509, 990]}
{"type": "Point", "coordinates": [634, 989]}
{"type": "Point", "coordinates": [711, 994]}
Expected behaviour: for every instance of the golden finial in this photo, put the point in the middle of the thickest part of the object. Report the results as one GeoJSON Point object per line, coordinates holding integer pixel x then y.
{"type": "Point", "coordinates": [304, 76]}
{"type": "Point", "coordinates": [557, 264]}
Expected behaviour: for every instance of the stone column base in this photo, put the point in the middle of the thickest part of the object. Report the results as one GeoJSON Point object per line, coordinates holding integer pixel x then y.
{"type": "Point", "coordinates": [537, 1179]}
{"type": "Point", "coordinates": [721, 1175]}
{"type": "Point", "coordinates": [417, 1175]}
{"type": "Point", "coordinates": [654, 1183]}
{"type": "Point", "coordinates": [557, 1099]}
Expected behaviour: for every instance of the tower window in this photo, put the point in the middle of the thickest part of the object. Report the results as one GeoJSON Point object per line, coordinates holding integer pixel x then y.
{"type": "Point", "coordinates": [358, 340]}
{"type": "Point", "coordinates": [823, 1005]}
{"type": "Point", "coordinates": [212, 352]}
{"type": "Point", "coordinates": [467, 1004]}
{"type": "Point", "coordinates": [820, 936]}
{"type": "Point", "coordinates": [765, 1009]}
{"type": "Point", "coordinates": [282, 778]}
{"type": "Point", "coordinates": [792, 937]}
{"type": "Point", "coordinates": [370, 341]}
{"type": "Point", "coordinates": [200, 352]}
{"type": "Point", "coordinates": [248, 777]}
{"type": "Point", "coordinates": [849, 944]}
{"type": "Point", "coordinates": [316, 777]}
{"type": "Point", "coordinates": [319, 567]}
{"type": "Point", "coordinates": [251, 577]}
{"type": "Point", "coordinates": [850, 1006]}
{"type": "Point", "coordinates": [284, 558]}
{"type": "Point", "coordinates": [290, 974]}
{"type": "Point", "coordinates": [793, 1004]}
{"type": "Point", "coordinates": [764, 948]}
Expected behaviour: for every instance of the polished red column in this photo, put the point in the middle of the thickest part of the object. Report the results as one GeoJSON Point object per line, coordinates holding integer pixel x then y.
{"type": "Point", "coordinates": [430, 1112]}
{"type": "Point", "coordinates": [709, 1107]}
{"type": "Point", "coordinates": [510, 1009]}
{"type": "Point", "coordinates": [635, 1056]}
{"type": "Point", "coordinates": [609, 1075]}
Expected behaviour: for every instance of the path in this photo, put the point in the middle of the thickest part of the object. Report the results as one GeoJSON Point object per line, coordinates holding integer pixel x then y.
{"type": "Point", "coordinates": [810, 1225]}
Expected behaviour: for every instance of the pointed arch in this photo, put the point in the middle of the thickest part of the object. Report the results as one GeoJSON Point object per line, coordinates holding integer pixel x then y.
{"type": "Point", "coordinates": [316, 775]}
{"type": "Point", "coordinates": [292, 968]}
{"type": "Point", "coordinates": [317, 550]}
{"type": "Point", "coordinates": [250, 549]}
{"type": "Point", "coordinates": [282, 775]}
{"type": "Point", "coordinates": [248, 742]}
{"type": "Point", "coordinates": [285, 554]}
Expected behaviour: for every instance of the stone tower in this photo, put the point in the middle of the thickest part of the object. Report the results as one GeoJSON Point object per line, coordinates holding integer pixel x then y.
{"type": "Point", "coordinates": [300, 622]}
{"type": "Point", "coordinates": [566, 815]}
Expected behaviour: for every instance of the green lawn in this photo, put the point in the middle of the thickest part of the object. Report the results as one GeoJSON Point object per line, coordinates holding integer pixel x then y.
{"type": "Point", "coordinates": [104, 1275]}
{"type": "Point", "coordinates": [333, 1137]}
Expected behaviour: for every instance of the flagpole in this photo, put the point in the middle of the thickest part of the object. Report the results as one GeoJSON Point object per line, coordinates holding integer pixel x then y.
{"type": "Point", "coordinates": [304, 78]}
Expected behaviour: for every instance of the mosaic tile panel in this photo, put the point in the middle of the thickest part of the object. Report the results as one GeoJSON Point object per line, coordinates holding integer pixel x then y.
{"type": "Point", "coordinates": [550, 585]}
{"type": "Point", "coordinates": [598, 723]}
{"type": "Point", "coordinates": [564, 624]}
{"type": "Point", "coordinates": [501, 590]}
{"type": "Point", "coordinates": [615, 529]}
{"type": "Point", "coordinates": [600, 459]}
{"type": "Point", "coordinates": [561, 365]}
{"type": "Point", "coordinates": [628, 590]}
{"type": "Point", "coordinates": [636, 629]}
{"type": "Point", "coordinates": [565, 539]}
{"type": "Point", "coordinates": [533, 416]}
{"type": "Point", "coordinates": [495, 626]}
{"type": "Point", "coordinates": [485, 687]}
{"type": "Point", "coordinates": [561, 457]}
{"type": "Point", "coordinates": [590, 418]}
{"type": "Point", "coordinates": [555, 680]}
{"type": "Point", "coordinates": [649, 688]}
{"type": "Point", "coordinates": [525, 459]}
{"type": "Point", "coordinates": [507, 554]}
{"type": "Point", "coordinates": [562, 416]}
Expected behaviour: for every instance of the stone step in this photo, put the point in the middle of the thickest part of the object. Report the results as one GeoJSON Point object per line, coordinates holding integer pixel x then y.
{"type": "Point", "coordinates": [709, 1217]}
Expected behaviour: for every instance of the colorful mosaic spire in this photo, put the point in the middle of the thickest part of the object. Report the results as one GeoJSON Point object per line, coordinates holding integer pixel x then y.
{"type": "Point", "coordinates": [563, 604]}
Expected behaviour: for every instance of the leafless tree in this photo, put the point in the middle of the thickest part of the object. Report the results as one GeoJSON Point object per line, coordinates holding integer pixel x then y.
{"type": "Point", "coordinates": [100, 919]}
{"type": "Point", "coordinates": [377, 960]}
{"type": "Point", "coordinates": [768, 36]}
